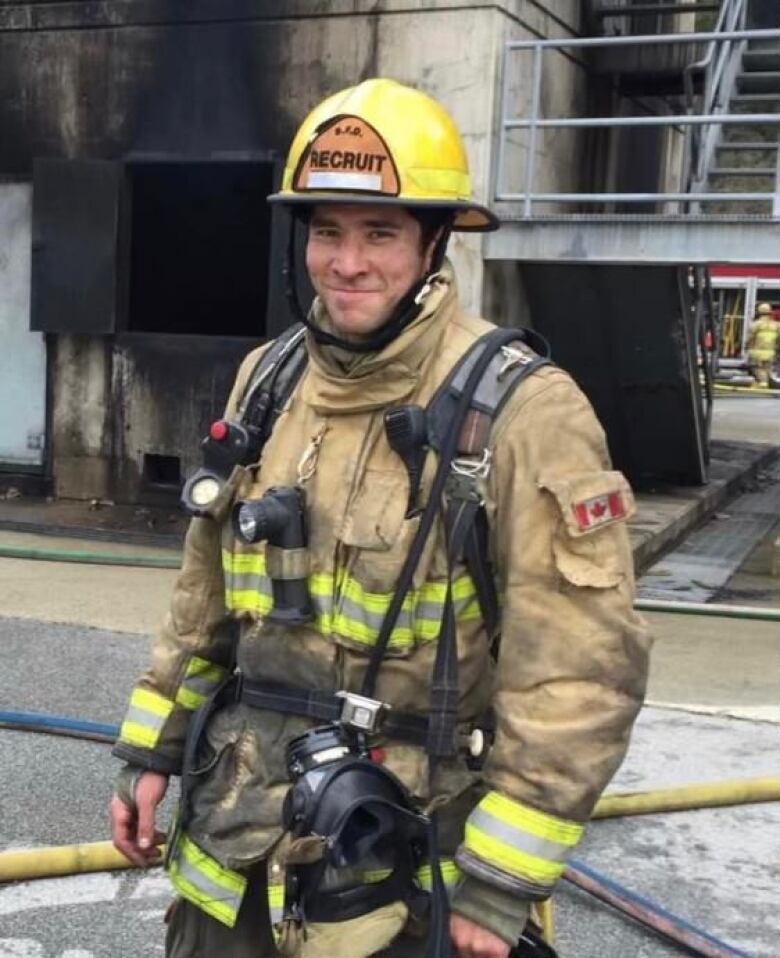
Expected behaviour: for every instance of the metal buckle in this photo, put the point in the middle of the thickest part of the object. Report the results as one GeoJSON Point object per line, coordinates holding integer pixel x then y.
{"type": "Point", "coordinates": [472, 469]}
{"type": "Point", "coordinates": [361, 713]}
{"type": "Point", "coordinates": [514, 357]}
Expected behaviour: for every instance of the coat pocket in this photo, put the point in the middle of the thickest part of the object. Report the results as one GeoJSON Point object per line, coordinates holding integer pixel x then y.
{"type": "Point", "coordinates": [588, 543]}
{"type": "Point", "coordinates": [376, 517]}
{"type": "Point", "coordinates": [378, 537]}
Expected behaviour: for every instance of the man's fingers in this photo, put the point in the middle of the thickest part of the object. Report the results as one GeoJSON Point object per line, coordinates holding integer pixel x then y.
{"type": "Point", "coordinates": [474, 941]}
{"type": "Point", "coordinates": [123, 831]}
{"type": "Point", "coordinates": [149, 792]}
{"type": "Point", "coordinates": [146, 817]}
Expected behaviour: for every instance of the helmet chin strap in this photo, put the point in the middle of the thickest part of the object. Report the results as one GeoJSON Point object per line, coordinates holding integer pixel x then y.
{"type": "Point", "coordinates": [403, 315]}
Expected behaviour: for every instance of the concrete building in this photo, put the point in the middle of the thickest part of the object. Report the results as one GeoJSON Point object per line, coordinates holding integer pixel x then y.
{"type": "Point", "coordinates": [138, 141]}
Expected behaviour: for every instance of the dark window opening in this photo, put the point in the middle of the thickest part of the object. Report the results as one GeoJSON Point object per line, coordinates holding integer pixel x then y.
{"type": "Point", "coordinates": [162, 470]}
{"type": "Point", "coordinates": [199, 248]}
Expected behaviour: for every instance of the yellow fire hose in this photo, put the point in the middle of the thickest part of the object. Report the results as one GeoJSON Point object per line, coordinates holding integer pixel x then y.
{"type": "Point", "coordinates": [28, 863]}
{"type": "Point", "coordinates": [736, 792]}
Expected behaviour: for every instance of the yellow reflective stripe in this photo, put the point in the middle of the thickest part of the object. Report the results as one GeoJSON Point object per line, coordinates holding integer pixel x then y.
{"type": "Point", "coordinates": [200, 680]}
{"type": "Point", "coordinates": [520, 840]}
{"type": "Point", "coordinates": [243, 563]}
{"type": "Point", "coordinates": [436, 182]}
{"type": "Point", "coordinates": [532, 820]}
{"type": "Point", "coordinates": [276, 902]}
{"type": "Point", "coordinates": [145, 717]}
{"type": "Point", "coordinates": [449, 870]}
{"type": "Point", "coordinates": [360, 612]}
{"type": "Point", "coordinates": [248, 600]}
{"type": "Point", "coordinates": [202, 880]}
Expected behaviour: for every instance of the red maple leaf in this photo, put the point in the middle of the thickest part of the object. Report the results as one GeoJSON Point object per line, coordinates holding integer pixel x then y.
{"type": "Point", "coordinates": [598, 509]}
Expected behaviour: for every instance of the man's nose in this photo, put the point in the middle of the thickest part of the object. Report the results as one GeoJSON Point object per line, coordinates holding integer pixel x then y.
{"type": "Point", "coordinates": [349, 260]}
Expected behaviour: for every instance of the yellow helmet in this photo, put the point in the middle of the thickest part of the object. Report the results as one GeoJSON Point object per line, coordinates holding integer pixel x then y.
{"type": "Point", "coordinates": [382, 142]}
{"type": "Point", "coordinates": [765, 309]}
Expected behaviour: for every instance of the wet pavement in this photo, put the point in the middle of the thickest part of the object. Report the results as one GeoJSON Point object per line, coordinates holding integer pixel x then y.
{"type": "Point", "coordinates": [74, 638]}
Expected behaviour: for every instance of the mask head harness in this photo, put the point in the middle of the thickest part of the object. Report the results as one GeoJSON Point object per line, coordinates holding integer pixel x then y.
{"type": "Point", "coordinates": [372, 837]}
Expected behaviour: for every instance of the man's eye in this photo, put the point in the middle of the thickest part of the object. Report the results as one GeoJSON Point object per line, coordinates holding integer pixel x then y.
{"type": "Point", "coordinates": [378, 235]}
{"type": "Point", "coordinates": [324, 232]}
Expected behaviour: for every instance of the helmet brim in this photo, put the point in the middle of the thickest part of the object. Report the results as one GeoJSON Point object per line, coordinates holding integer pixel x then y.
{"type": "Point", "coordinates": [469, 217]}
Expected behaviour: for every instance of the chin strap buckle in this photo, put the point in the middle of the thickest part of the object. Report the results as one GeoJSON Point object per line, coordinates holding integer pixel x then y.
{"type": "Point", "coordinates": [428, 285]}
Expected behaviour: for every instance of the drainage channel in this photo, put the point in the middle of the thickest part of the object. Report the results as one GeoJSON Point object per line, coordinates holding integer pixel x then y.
{"type": "Point", "coordinates": [704, 563]}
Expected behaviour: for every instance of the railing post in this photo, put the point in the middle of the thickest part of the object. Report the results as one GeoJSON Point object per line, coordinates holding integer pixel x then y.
{"type": "Point", "coordinates": [776, 200]}
{"type": "Point", "coordinates": [502, 136]}
{"type": "Point", "coordinates": [536, 95]}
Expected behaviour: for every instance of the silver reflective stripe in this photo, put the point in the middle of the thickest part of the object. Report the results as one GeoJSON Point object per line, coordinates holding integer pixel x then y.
{"type": "Point", "coordinates": [517, 838]}
{"type": "Point", "coordinates": [204, 684]}
{"type": "Point", "coordinates": [212, 893]}
{"type": "Point", "coordinates": [140, 716]}
{"type": "Point", "coordinates": [249, 582]}
{"type": "Point", "coordinates": [344, 181]}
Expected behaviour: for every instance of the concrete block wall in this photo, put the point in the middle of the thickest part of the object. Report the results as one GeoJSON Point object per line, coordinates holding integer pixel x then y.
{"type": "Point", "coordinates": [148, 76]}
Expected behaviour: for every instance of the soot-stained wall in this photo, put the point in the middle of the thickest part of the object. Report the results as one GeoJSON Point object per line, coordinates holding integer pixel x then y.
{"type": "Point", "coordinates": [140, 80]}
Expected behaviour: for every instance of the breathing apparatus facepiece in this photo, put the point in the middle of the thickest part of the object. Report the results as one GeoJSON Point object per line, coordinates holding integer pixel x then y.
{"type": "Point", "coordinates": [372, 837]}
{"type": "Point", "coordinates": [404, 314]}
{"type": "Point", "coordinates": [279, 517]}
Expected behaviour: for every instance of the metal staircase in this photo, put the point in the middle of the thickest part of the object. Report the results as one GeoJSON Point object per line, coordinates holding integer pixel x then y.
{"type": "Point", "coordinates": [740, 160]}
{"type": "Point", "coordinates": [745, 158]}
{"type": "Point", "coordinates": [636, 321]}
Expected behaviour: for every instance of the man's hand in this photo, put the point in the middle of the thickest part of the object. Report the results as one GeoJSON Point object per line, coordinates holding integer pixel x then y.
{"type": "Point", "coordinates": [132, 829]}
{"type": "Point", "coordinates": [474, 941]}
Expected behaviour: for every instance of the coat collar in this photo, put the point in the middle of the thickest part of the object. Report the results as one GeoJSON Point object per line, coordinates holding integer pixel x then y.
{"type": "Point", "coordinates": [340, 382]}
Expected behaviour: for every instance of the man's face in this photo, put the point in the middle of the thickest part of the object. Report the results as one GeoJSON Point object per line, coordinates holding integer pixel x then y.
{"type": "Point", "coordinates": [361, 261]}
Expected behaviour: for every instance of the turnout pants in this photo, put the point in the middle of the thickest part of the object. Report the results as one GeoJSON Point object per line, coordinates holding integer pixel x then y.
{"type": "Point", "coordinates": [193, 934]}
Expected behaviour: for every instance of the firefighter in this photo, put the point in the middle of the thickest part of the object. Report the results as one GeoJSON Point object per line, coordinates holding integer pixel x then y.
{"type": "Point", "coordinates": [762, 345]}
{"type": "Point", "coordinates": [377, 175]}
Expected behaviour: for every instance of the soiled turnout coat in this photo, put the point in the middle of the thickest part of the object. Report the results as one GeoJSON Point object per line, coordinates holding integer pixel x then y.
{"type": "Point", "coordinates": [570, 674]}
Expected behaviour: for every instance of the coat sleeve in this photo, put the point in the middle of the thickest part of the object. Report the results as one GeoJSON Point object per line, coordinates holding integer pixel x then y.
{"type": "Point", "coordinates": [573, 656]}
{"type": "Point", "coordinates": [192, 650]}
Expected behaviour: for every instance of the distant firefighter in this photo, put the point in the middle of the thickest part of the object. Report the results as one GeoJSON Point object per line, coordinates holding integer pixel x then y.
{"type": "Point", "coordinates": [762, 344]}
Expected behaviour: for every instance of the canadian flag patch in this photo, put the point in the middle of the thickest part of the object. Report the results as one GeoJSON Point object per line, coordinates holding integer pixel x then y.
{"type": "Point", "coordinates": [599, 510]}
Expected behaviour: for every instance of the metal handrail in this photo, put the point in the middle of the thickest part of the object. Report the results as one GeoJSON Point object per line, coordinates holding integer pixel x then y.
{"type": "Point", "coordinates": [718, 85]}
{"type": "Point", "coordinates": [533, 122]}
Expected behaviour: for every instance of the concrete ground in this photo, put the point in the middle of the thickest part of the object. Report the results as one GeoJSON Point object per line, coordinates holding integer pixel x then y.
{"type": "Point", "coordinates": [74, 637]}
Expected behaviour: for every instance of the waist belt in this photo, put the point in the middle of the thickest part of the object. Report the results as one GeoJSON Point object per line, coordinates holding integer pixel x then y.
{"type": "Point", "coordinates": [326, 707]}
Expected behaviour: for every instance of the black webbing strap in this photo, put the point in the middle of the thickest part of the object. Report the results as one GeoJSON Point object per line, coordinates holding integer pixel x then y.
{"type": "Point", "coordinates": [221, 696]}
{"type": "Point", "coordinates": [476, 555]}
{"type": "Point", "coordinates": [273, 380]}
{"type": "Point", "coordinates": [489, 345]}
{"type": "Point", "coordinates": [327, 707]}
{"type": "Point", "coordinates": [445, 687]}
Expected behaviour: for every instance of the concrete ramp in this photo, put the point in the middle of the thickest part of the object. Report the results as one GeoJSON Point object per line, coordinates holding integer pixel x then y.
{"type": "Point", "coordinates": [627, 334]}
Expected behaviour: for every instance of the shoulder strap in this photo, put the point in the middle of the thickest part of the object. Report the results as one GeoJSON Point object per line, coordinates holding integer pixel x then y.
{"type": "Point", "coordinates": [465, 519]}
{"type": "Point", "coordinates": [444, 685]}
{"type": "Point", "coordinates": [273, 380]}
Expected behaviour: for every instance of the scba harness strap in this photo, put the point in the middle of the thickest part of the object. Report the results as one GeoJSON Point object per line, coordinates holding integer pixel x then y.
{"type": "Point", "coordinates": [279, 369]}
{"type": "Point", "coordinates": [458, 423]}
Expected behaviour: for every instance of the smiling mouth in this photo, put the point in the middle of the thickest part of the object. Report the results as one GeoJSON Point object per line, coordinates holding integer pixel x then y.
{"type": "Point", "coordinates": [345, 291]}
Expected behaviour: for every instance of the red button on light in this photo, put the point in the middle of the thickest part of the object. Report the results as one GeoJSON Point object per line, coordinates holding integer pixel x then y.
{"type": "Point", "coordinates": [219, 430]}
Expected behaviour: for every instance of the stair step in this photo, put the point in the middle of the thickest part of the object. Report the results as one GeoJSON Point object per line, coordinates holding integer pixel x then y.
{"type": "Point", "coordinates": [748, 145]}
{"type": "Point", "coordinates": [754, 102]}
{"type": "Point", "coordinates": [759, 81]}
{"type": "Point", "coordinates": [764, 46]}
{"type": "Point", "coordinates": [757, 96]}
{"type": "Point", "coordinates": [761, 60]}
{"type": "Point", "coordinates": [750, 132]}
{"type": "Point", "coordinates": [742, 171]}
